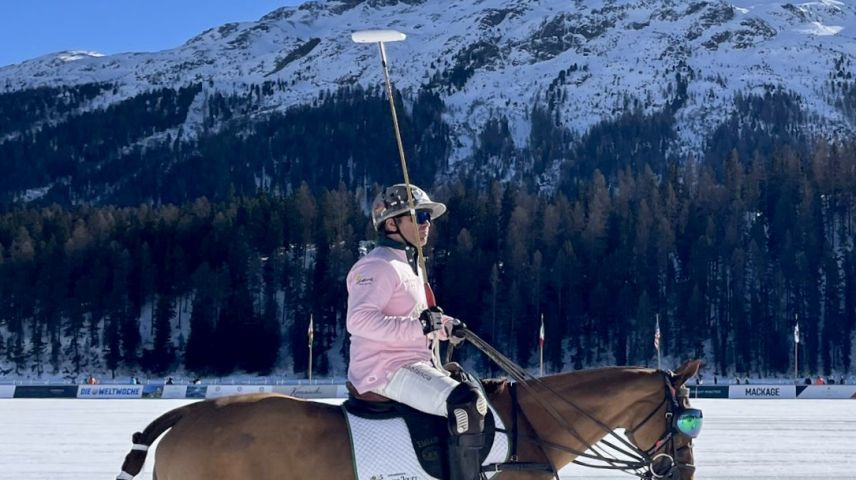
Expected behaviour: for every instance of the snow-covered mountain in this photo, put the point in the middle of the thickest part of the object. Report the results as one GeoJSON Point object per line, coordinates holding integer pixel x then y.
{"type": "Point", "coordinates": [586, 61]}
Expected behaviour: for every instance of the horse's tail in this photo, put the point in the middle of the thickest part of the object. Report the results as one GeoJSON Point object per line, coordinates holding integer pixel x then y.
{"type": "Point", "coordinates": [135, 459]}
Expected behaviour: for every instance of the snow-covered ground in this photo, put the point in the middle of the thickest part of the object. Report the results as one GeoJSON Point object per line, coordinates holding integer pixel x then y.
{"type": "Point", "coordinates": [759, 439]}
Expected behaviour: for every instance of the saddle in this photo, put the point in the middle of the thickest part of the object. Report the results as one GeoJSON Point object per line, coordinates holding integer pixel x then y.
{"type": "Point", "coordinates": [379, 429]}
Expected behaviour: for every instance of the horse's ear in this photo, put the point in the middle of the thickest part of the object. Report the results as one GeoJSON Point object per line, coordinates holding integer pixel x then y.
{"type": "Point", "coordinates": [494, 386]}
{"type": "Point", "coordinates": [685, 372]}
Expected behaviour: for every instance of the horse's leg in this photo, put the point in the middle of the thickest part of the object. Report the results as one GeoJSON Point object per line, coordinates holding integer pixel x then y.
{"type": "Point", "coordinates": [259, 438]}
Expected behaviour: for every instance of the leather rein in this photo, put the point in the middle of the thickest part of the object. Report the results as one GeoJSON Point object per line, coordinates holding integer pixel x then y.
{"type": "Point", "coordinates": [641, 462]}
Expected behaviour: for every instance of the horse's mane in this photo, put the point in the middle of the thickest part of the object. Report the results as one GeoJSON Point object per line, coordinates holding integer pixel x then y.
{"type": "Point", "coordinates": [494, 386]}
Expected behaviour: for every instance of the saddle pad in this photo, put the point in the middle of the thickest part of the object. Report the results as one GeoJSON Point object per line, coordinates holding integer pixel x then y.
{"type": "Point", "coordinates": [383, 451]}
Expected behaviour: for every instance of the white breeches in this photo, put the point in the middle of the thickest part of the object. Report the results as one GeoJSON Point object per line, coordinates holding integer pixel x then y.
{"type": "Point", "coordinates": [420, 386]}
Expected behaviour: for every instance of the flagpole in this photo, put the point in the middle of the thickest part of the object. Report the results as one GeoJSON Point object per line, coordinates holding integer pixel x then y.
{"type": "Point", "coordinates": [311, 338]}
{"type": "Point", "coordinates": [796, 347]}
{"type": "Point", "coordinates": [796, 362]}
{"type": "Point", "coordinates": [541, 344]}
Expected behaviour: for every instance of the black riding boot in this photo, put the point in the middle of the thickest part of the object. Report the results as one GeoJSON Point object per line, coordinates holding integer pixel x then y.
{"type": "Point", "coordinates": [464, 456]}
{"type": "Point", "coordinates": [466, 409]}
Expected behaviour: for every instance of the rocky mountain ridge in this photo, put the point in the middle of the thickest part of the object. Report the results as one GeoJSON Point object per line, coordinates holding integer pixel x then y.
{"type": "Point", "coordinates": [491, 64]}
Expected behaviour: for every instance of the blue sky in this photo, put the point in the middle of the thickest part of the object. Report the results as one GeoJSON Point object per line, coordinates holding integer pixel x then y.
{"type": "Point", "coordinates": [31, 28]}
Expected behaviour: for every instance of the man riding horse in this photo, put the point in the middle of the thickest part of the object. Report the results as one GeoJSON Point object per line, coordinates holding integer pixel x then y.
{"type": "Point", "coordinates": [550, 421]}
{"type": "Point", "coordinates": [391, 325]}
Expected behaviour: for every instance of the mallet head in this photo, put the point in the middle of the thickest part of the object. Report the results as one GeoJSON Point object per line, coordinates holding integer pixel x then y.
{"type": "Point", "coordinates": [377, 36]}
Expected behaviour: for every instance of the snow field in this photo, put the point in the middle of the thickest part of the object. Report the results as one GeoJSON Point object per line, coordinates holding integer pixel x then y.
{"type": "Point", "coordinates": [759, 439]}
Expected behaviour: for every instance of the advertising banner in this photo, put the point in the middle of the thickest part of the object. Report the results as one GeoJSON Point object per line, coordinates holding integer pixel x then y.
{"type": "Point", "coordinates": [708, 391]}
{"type": "Point", "coordinates": [309, 391]}
{"type": "Point", "coordinates": [7, 391]}
{"type": "Point", "coordinates": [195, 391]}
{"type": "Point", "coordinates": [762, 391]}
{"type": "Point", "coordinates": [110, 391]}
{"type": "Point", "coordinates": [174, 391]}
{"type": "Point", "coordinates": [152, 391]}
{"type": "Point", "coordinates": [46, 391]}
{"type": "Point", "coordinates": [164, 391]}
{"type": "Point", "coordinates": [215, 391]}
{"type": "Point", "coordinates": [828, 391]}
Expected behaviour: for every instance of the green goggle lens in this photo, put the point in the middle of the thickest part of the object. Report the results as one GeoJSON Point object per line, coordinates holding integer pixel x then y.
{"type": "Point", "coordinates": [689, 422]}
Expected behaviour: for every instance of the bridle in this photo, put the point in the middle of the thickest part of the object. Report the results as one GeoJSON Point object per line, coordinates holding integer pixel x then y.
{"type": "Point", "coordinates": [674, 406]}
{"type": "Point", "coordinates": [640, 463]}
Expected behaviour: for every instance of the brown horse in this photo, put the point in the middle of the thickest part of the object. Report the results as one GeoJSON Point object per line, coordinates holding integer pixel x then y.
{"type": "Point", "coordinates": [275, 437]}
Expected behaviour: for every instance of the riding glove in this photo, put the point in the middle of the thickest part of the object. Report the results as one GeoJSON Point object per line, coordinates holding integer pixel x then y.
{"type": "Point", "coordinates": [431, 319]}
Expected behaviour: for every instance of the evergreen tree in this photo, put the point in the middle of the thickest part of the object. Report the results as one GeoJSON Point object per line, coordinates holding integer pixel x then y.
{"type": "Point", "coordinates": [204, 313]}
{"type": "Point", "coordinates": [161, 357]}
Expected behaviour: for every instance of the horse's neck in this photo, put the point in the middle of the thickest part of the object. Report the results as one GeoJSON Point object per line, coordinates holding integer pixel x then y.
{"type": "Point", "coordinates": [605, 394]}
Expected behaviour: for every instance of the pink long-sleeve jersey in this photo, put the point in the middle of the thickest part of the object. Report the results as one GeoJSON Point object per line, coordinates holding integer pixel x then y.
{"type": "Point", "coordinates": [385, 298]}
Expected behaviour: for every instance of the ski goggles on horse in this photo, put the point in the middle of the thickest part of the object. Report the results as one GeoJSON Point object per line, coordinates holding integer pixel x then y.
{"type": "Point", "coordinates": [687, 421]}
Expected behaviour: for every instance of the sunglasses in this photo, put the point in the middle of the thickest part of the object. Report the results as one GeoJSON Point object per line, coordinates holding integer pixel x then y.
{"type": "Point", "coordinates": [422, 216]}
{"type": "Point", "coordinates": [688, 422]}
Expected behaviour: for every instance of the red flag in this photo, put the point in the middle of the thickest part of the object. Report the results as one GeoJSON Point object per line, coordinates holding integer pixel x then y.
{"type": "Point", "coordinates": [541, 334]}
{"type": "Point", "coordinates": [310, 333]}
{"type": "Point", "coordinates": [657, 335]}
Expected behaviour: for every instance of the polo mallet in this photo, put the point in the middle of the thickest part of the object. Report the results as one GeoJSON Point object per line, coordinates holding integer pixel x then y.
{"type": "Point", "coordinates": [380, 37]}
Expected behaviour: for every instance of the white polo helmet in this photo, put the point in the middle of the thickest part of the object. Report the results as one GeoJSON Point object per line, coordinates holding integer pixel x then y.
{"type": "Point", "coordinates": [392, 202]}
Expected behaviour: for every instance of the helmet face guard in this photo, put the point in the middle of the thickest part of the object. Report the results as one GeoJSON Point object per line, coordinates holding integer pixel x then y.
{"type": "Point", "coordinates": [392, 202]}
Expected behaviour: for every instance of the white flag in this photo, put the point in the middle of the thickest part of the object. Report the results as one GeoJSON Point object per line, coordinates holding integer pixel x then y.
{"type": "Point", "coordinates": [797, 333]}
{"type": "Point", "coordinates": [657, 334]}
